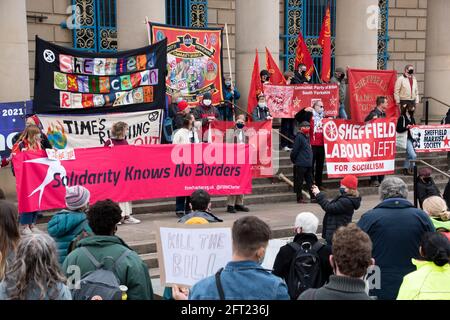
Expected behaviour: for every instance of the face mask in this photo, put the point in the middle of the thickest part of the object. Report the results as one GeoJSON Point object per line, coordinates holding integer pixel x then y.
{"type": "Point", "coordinates": [240, 125]}
{"type": "Point", "coordinates": [179, 99]}
{"type": "Point", "coordinates": [303, 72]}
{"type": "Point", "coordinates": [228, 84]}
{"type": "Point", "coordinates": [262, 105]}
{"type": "Point", "coordinates": [411, 71]}
{"type": "Point", "coordinates": [320, 110]}
{"type": "Point", "coordinates": [207, 102]}
{"type": "Point", "coordinates": [305, 130]}
{"type": "Point", "coordinates": [342, 190]}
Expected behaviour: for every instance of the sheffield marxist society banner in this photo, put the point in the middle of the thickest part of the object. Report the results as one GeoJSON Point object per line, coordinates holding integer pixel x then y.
{"type": "Point", "coordinates": [194, 61]}
{"type": "Point", "coordinates": [362, 149]}
{"type": "Point", "coordinates": [364, 88]}
{"type": "Point", "coordinates": [432, 138]}
{"type": "Point", "coordinates": [286, 101]}
{"type": "Point", "coordinates": [85, 131]}
{"type": "Point", "coordinates": [126, 173]}
{"type": "Point", "coordinates": [72, 81]}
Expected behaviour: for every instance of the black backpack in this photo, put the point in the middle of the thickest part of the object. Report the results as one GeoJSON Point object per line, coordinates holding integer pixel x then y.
{"type": "Point", "coordinates": [305, 271]}
{"type": "Point", "coordinates": [102, 281]}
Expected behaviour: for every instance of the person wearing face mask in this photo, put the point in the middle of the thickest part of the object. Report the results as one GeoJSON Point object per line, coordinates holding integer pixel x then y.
{"type": "Point", "coordinates": [425, 186]}
{"type": "Point", "coordinates": [206, 112]}
{"type": "Point", "coordinates": [301, 157]}
{"type": "Point", "coordinates": [236, 202]}
{"type": "Point", "coordinates": [404, 123]}
{"type": "Point", "coordinates": [339, 79]}
{"type": "Point", "coordinates": [340, 210]}
{"type": "Point", "coordinates": [406, 89]}
{"type": "Point", "coordinates": [300, 76]}
{"type": "Point", "coordinates": [261, 112]}
{"type": "Point", "coordinates": [287, 127]}
{"type": "Point", "coordinates": [231, 94]}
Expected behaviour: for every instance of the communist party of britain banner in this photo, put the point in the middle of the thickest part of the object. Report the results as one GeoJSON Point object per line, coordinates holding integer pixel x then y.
{"type": "Point", "coordinates": [73, 81]}
{"type": "Point", "coordinates": [365, 86]}
{"type": "Point", "coordinates": [431, 138]}
{"type": "Point", "coordinates": [194, 61]}
{"type": "Point", "coordinates": [127, 173]}
{"type": "Point", "coordinates": [358, 148]}
{"type": "Point", "coordinates": [285, 101]}
{"type": "Point", "coordinates": [86, 131]}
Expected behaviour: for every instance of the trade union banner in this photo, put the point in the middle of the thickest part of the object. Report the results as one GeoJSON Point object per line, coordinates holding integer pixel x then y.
{"type": "Point", "coordinates": [431, 138]}
{"type": "Point", "coordinates": [259, 137]}
{"type": "Point", "coordinates": [86, 131]}
{"type": "Point", "coordinates": [358, 148]}
{"type": "Point", "coordinates": [364, 88]}
{"type": "Point", "coordinates": [194, 61]}
{"type": "Point", "coordinates": [127, 173]}
{"type": "Point", "coordinates": [73, 81]}
{"type": "Point", "coordinates": [285, 101]}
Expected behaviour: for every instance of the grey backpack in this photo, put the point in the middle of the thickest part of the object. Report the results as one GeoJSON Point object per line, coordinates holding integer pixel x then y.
{"type": "Point", "coordinates": [102, 281]}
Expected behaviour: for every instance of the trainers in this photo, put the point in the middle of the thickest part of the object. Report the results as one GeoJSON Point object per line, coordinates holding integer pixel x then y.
{"type": "Point", "coordinates": [243, 208]}
{"type": "Point", "coordinates": [131, 220]}
{"type": "Point", "coordinates": [179, 214]}
{"type": "Point", "coordinates": [286, 149]}
{"type": "Point", "coordinates": [231, 209]}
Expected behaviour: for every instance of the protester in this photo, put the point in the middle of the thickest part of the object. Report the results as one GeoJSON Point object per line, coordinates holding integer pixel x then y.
{"type": "Point", "coordinates": [33, 120]}
{"type": "Point", "coordinates": [287, 128]}
{"type": "Point", "coordinates": [436, 208]}
{"type": "Point", "coordinates": [183, 136]}
{"type": "Point", "coordinates": [432, 278]}
{"type": "Point", "coordinates": [426, 186]}
{"type": "Point", "coordinates": [305, 239]}
{"type": "Point", "coordinates": [67, 225]}
{"type": "Point", "coordinates": [206, 113]}
{"type": "Point", "coordinates": [302, 157]}
{"type": "Point", "coordinates": [406, 90]}
{"type": "Point", "coordinates": [446, 120]}
{"type": "Point", "coordinates": [232, 95]}
{"type": "Point", "coordinates": [236, 202]}
{"type": "Point", "coordinates": [35, 273]}
{"type": "Point", "coordinates": [119, 132]}
{"type": "Point", "coordinates": [104, 245]}
{"type": "Point", "coordinates": [183, 109]}
{"type": "Point", "coordinates": [339, 79]}
{"type": "Point", "coordinates": [395, 227]}
{"type": "Point", "coordinates": [340, 210]}
{"type": "Point", "coordinates": [404, 123]}
{"type": "Point", "coordinates": [300, 76]}
{"type": "Point", "coordinates": [243, 278]}
{"type": "Point", "coordinates": [351, 257]}
{"type": "Point", "coordinates": [264, 76]}
{"type": "Point", "coordinates": [378, 112]}
{"type": "Point", "coordinates": [261, 112]}
{"type": "Point", "coordinates": [201, 207]}
{"type": "Point", "coordinates": [9, 235]}
{"type": "Point", "coordinates": [314, 115]}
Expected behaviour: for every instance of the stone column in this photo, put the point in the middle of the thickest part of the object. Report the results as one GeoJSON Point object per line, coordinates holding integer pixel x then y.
{"type": "Point", "coordinates": [257, 27]}
{"type": "Point", "coordinates": [14, 67]}
{"type": "Point", "coordinates": [356, 34]}
{"type": "Point", "coordinates": [131, 30]}
{"type": "Point", "coordinates": [437, 57]}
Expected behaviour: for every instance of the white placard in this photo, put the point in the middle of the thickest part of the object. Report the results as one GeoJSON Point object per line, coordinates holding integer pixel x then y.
{"type": "Point", "coordinates": [272, 250]}
{"type": "Point", "coordinates": [59, 155]}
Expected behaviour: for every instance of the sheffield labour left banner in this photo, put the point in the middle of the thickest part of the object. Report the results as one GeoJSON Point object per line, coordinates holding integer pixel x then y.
{"type": "Point", "coordinates": [73, 81]}
{"type": "Point", "coordinates": [194, 61]}
{"type": "Point", "coordinates": [286, 101]}
{"type": "Point", "coordinates": [86, 131]}
{"type": "Point", "coordinates": [432, 138]}
{"type": "Point", "coordinates": [127, 173]}
{"type": "Point", "coordinates": [358, 148]}
{"type": "Point", "coordinates": [364, 88]}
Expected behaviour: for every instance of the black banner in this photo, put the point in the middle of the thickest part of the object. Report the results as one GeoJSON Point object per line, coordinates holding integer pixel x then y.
{"type": "Point", "coordinates": [72, 81]}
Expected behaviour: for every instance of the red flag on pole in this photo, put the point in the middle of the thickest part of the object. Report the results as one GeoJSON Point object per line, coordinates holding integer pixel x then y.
{"type": "Point", "coordinates": [302, 55]}
{"type": "Point", "coordinates": [255, 85]}
{"type": "Point", "coordinates": [276, 77]}
{"type": "Point", "coordinates": [325, 42]}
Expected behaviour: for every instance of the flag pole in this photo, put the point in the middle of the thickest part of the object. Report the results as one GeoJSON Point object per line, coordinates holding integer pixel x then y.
{"type": "Point", "coordinates": [229, 66]}
{"type": "Point", "coordinates": [317, 73]}
{"type": "Point", "coordinates": [148, 30]}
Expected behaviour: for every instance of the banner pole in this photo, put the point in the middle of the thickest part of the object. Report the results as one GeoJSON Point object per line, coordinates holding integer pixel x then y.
{"type": "Point", "coordinates": [148, 30]}
{"type": "Point", "coordinates": [317, 73]}
{"type": "Point", "coordinates": [229, 66]}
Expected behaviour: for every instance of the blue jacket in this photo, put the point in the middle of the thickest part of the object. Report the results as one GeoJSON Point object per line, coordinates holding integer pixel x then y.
{"type": "Point", "coordinates": [230, 96]}
{"type": "Point", "coordinates": [242, 280]}
{"type": "Point", "coordinates": [395, 227]}
{"type": "Point", "coordinates": [301, 154]}
{"type": "Point", "coordinates": [64, 227]}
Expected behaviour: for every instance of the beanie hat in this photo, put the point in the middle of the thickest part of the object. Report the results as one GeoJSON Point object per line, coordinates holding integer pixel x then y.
{"type": "Point", "coordinates": [207, 96]}
{"type": "Point", "coordinates": [196, 220]}
{"type": "Point", "coordinates": [182, 105]}
{"type": "Point", "coordinates": [350, 182]}
{"type": "Point", "coordinates": [77, 197]}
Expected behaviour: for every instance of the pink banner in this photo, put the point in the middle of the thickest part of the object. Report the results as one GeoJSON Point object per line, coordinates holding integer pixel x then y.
{"type": "Point", "coordinates": [126, 173]}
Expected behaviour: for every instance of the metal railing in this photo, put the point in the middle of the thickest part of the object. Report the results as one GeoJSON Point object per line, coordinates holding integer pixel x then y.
{"type": "Point", "coordinates": [427, 106]}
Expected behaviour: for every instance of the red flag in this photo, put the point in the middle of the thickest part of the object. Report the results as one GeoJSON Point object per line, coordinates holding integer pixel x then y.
{"type": "Point", "coordinates": [255, 86]}
{"type": "Point", "coordinates": [325, 42]}
{"type": "Point", "coordinates": [276, 77]}
{"type": "Point", "coordinates": [302, 55]}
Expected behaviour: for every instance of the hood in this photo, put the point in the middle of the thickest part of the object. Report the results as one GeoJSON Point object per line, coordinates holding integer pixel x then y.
{"type": "Point", "coordinates": [395, 203]}
{"type": "Point", "coordinates": [64, 223]}
{"type": "Point", "coordinates": [439, 224]}
{"type": "Point", "coordinates": [101, 241]}
{"type": "Point", "coordinates": [423, 263]}
{"type": "Point", "coordinates": [356, 201]}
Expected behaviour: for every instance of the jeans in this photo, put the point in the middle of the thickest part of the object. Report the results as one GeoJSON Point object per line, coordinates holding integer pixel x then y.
{"type": "Point", "coordinates": [182, 204]}
{"type": "Point", "coordinates": [410, 154]}
{"type": "Point", "coordinates": [287, 129]}
{"type": "Point", "coordinates": [236, 200]}
{"type": "Point", "coordinates": [26, 218]}
{"type": "Point", "coordinates": [342, 113]}
{"type": "Point", "coordinates": [318, 161]}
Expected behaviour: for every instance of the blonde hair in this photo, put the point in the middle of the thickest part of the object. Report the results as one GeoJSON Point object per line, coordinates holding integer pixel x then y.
{"type": "Point", "coordinates": [436, 207]}
{"type": "Point", "coordinates": [30, 134]}
{"type": "Point", "coordinates": [352, 192]}
{"type": "Point", "coordinates": [118, 130]}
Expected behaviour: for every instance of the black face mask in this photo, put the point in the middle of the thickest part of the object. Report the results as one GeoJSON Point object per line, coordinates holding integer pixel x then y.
{"type": "Point", "coordinates": [303, 73]}
{"type": "Point", "coordinates": [410, 71]}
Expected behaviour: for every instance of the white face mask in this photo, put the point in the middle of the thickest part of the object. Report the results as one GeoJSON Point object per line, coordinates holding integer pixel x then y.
{"type": "Point", "coordinates": [262, 104]}
{"type": "Point", "coordinates": [207, 102]}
